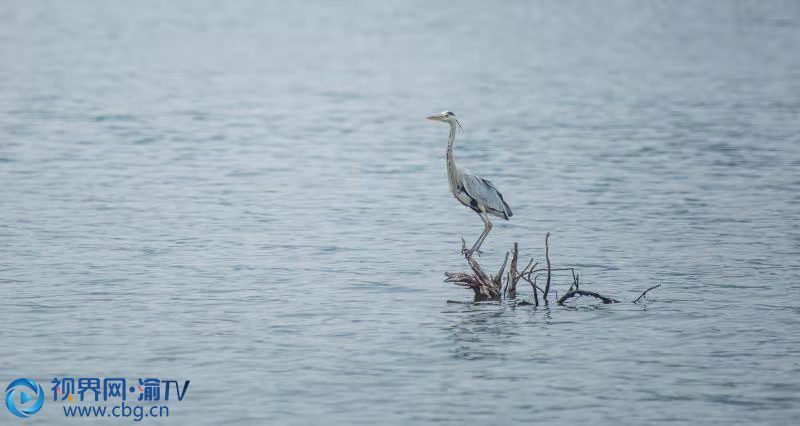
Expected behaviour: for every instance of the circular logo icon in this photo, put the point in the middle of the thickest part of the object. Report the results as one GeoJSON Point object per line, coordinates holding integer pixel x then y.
{"type": "Point", "coordinates": [28, 391]}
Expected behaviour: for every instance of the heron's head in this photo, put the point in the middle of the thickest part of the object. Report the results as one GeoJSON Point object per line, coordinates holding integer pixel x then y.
{"type": "Point", "coordinates": [446, 116]}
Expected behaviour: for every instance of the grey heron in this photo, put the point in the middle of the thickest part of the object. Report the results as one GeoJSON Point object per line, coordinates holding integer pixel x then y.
{"type": "Point", "coordinates": [473, 191]}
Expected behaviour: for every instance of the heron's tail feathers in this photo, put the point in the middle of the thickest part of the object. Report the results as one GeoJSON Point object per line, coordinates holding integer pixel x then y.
{"type": "Point", "coordinates": [508, 211]}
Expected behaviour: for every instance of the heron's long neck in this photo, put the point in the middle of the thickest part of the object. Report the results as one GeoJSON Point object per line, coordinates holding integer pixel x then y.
{"type": "Point", "coordinates": [452, 168]}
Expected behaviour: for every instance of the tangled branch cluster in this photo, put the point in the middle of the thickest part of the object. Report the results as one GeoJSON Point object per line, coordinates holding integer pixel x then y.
{"type": "Point", "coordinates": [504, 284]}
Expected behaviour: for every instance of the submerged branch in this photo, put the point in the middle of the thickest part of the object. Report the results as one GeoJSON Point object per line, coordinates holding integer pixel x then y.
{"type": "Point", "coordinates": [572, 293]}
{"type": "Point", "coordinates": [645, 292]}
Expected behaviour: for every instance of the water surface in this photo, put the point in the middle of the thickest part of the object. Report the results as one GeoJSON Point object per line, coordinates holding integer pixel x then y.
{"type": "Point", "coordinates": [247, 195]}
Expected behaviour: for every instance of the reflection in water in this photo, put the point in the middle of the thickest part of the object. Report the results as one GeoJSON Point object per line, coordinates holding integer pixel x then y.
{"type": "Point", "coordinates": [477, 330]}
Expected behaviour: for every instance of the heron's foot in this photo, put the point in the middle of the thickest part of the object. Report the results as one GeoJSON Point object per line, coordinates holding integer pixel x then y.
{"type": "Point", "coordinates": [468, 252]}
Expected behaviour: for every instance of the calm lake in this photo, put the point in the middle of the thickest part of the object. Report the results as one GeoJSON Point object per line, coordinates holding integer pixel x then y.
{"type": "Point", "coordinates": [247, 195]}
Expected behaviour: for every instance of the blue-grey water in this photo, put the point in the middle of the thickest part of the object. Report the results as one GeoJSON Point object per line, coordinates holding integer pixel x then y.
{"type": "Point", "coordinates": [247, 195]}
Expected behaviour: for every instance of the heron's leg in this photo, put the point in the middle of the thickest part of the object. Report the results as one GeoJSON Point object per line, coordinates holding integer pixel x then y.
{"type": "Point", "coordinates": [487, 226]}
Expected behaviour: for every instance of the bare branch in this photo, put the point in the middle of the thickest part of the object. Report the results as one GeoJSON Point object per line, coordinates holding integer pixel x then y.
{"type": "Point", "coordinates": [513, 276]}
{"type": "Point", "coordinates": [499, 277]}
{"type": "Point", "coordinates": [552, 269]}
{"type": "Point", "coordinates": [645, 292]}
{"type": "Point", "coordinates": [529, 265]}
{"type": "Point", "coordinates": [547, 257]}
{"type": "Point", "coordinates": [534, 286]}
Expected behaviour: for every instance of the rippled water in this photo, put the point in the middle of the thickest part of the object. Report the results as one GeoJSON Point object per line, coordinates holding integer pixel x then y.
{"type": "Point", "coordinates": [247, 195]}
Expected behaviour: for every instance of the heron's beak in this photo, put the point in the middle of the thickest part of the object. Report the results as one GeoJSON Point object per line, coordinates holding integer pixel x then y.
{"type": "Point", "coordinates": [435, 118]}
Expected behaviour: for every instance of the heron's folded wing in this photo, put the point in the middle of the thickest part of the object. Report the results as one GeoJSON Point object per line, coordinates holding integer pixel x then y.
{"type": "Point", "coordinates": [486, 194]}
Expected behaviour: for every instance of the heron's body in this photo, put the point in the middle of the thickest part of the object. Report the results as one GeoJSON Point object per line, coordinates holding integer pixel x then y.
{"type": "Point", "coordinates": [471, 190]}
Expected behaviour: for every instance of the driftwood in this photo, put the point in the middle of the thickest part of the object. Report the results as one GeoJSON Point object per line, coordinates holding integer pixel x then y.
{"type": "Point", "coordinates": [492, 287]}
